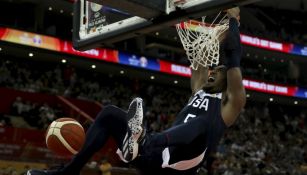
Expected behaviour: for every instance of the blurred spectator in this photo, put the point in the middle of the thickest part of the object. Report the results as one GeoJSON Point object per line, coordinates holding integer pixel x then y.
{"type": "Point", "coordinates": [36, 115]}
{"type": "Point", "coordinates": [105, 167]}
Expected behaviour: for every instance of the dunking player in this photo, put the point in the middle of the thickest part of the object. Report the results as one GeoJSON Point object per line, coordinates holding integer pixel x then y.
{"type": "Point", "coordinates": [218, 97]}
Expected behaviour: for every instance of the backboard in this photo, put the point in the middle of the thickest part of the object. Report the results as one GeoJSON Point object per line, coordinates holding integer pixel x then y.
{"type": "Point", "coordinates": [100, 22]}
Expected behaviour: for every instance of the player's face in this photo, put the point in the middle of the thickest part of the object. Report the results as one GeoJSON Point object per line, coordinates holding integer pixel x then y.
{"type": "Point", "coordinates": [217, 80]}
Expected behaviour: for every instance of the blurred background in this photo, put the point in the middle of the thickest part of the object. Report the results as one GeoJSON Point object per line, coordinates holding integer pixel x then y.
{"type": "Point", "coordinates": [43, 78]}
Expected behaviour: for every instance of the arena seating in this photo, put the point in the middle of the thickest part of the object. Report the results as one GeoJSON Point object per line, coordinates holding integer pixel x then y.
{"type": "Point", "coordinates": [266, 139]}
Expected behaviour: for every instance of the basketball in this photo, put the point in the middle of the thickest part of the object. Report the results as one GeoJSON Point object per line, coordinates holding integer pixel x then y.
{"type": "Point", "coordinates": [65, 136]}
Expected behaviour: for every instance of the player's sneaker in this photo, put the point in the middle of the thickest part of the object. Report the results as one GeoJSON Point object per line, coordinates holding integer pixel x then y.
{"type": "Point", "coordinates": [135, 131]}
{"type": "Point", "coordinates": [45, 172]}
{"type": "Point", "coordinates": [54, 170]}
{"type": "Point", "coordinates": [41, 172]}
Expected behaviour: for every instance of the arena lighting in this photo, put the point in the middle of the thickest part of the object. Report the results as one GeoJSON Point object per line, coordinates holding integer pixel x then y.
{"type": "Point", "coordinates": [93, 66]}
{"type": "Point", "coordinates": [121, 72]}
{"type": "Point", "coordinates": [176, 82]}
{"type": "Point", "coordinates": [247, 95]}
{"type": "Point", "coordinates": [31, 54]}
{"type": "Point", "coordinates": [61, 11]}
{"type": "Point", "coordinates": [157, 33]}
{"type": "Point", "coordinates": [295, 102]}
{"type": "Point", "coordinates": [0, 49]}
{"type": "Point", "coordinates": [63, 61]}
{"type": "Point", "coordinates": [271, 99]}
{"type": "Point", "coordinates": [152, 77]}
{"type": "Point", "coordinates": [50, 8]}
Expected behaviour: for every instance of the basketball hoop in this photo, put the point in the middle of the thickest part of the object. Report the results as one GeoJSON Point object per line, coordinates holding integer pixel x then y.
{"type": "Point", "coordinates": [200, 40]}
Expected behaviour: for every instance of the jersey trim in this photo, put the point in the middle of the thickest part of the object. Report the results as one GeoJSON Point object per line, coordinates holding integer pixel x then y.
{"type": "Point", "coordinates": [181, 165]}
{"type": "Point", "coordinates": [202, 93]}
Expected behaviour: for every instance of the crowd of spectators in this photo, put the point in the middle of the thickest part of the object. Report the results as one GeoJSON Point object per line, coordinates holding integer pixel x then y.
{"type": "Point", "coordinates": [278, 72]}
{"type": "Point", "coordinates": [35, 114]}
{"type": "Point", "coordinates": [264, 140]}
{"type": "Point", "coordinates": [75, 83]}
{"type": "Point", "coordinates": [9, 171]}
{"type": "Point", "coordinates": [276, 24]}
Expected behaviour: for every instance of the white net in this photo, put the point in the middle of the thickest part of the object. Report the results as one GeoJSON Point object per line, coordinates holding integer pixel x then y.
{"type": "Point", "coordinates": [201, 40]}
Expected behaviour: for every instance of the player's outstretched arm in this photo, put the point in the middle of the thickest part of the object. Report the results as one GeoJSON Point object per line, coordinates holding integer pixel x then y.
{"type": "Point", "coordinates": [234, 98]}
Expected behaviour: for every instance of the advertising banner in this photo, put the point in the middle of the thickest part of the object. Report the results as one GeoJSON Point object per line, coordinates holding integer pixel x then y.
{"type": "Point", "coordinates": [266, 44]}
{"type": "Point", "coordinates": [30, 39]}
{"type": "Point", "coordinates": [2, 32]}
{"type": "Point", "coordinates": [299, 50]}
{"type": "Point", "coordinates": [301, 93]}
{"type": "Point", "coordinates": [100, 54]}
{"type": "Point", "coordinates": [291, 91]}
{"type": "Point", "coordinates": [174, 69]}
{"type": "Point", "coordinates": [115, 56]}
{"type": "Point", "coordinates": [138, 61]}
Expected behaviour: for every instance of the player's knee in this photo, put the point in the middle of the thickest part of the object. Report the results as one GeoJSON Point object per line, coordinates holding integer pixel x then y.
{"type": "Point", "coordinates": [109, 109]}
{"type": "Point", "coordinates": [106, 113]}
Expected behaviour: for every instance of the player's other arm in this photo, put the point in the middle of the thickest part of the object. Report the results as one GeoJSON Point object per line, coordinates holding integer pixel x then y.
{"type": "Point", "coordinates": [234, 98]}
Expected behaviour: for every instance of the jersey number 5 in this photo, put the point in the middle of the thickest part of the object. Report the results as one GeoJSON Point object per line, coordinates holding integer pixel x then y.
{"type": "Point", "coordinates": [189, 116]}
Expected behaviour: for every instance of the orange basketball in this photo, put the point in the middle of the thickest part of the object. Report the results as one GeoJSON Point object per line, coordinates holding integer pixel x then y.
{"type": "Point", "coordinates": [65, 136]}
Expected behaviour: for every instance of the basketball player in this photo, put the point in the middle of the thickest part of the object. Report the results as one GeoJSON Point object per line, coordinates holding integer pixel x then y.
{"type": "Point", "coordinates": [218, 96]}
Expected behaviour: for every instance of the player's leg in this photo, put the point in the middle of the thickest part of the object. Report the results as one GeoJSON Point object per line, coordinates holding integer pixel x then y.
{"type": "Point", "coordinates": [124, 127]}
{"type": "Point", "coordinates": [188, 136]}
{"type": "Point", "coordinates": [111, 121]}
{"type": "Point", "coordinates": [182, 134]}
